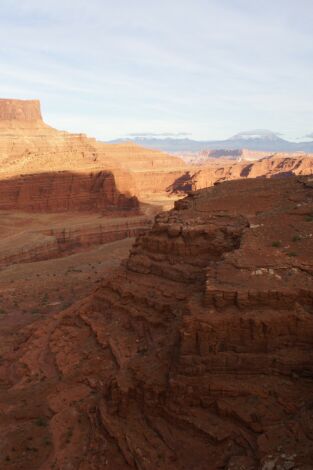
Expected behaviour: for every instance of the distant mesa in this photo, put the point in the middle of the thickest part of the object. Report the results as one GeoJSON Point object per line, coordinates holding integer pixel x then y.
{"type": "Point", "coordinates": [20, 110]}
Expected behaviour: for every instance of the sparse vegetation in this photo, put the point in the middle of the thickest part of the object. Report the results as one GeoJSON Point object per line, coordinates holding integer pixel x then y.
{"type": "Point", "coordinates": [309, 218]}
{"type": "Point", "coordinates": [292, 254]}
{"type": "Point", "coordinates": [73, 270]}
{"type": "Point", "coordinates": [276, 244]}
{"type": "Point", "coordinates": [41, 421]}
{"type": "Point", "coordinates": [31, 449]}
{"type": "Point", "coordinates": [296, 238]}
{"type": "Point", "coordinates": [69, 435]}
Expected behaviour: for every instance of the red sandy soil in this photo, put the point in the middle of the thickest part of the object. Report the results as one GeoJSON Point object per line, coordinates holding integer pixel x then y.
{"type": "Point", "coordinates": [47, 261]}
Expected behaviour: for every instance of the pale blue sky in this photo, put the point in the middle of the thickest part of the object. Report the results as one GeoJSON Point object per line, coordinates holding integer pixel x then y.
{"type": "Point", "coordinates": [211, 68]}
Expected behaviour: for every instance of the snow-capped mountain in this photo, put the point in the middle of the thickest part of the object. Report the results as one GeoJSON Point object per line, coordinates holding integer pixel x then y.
{"type": "Point", "coordinates": [260, 139]}
{"type": "Point", "coordinates": [258, 134]}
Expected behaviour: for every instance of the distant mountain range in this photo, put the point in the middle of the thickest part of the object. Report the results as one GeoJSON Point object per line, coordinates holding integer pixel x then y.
{"type": "Point", "coordinates": [261, 140]}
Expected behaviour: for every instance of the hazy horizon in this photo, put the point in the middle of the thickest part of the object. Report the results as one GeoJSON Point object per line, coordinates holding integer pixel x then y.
{"type": "Point", "coordinates": [202, 70]}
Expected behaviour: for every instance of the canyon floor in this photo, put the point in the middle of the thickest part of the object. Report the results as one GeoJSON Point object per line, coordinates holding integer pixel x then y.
{"type": "Point", "coordinates": [35, 289]}
{"type": "Point", "coordinates": [49, 260]}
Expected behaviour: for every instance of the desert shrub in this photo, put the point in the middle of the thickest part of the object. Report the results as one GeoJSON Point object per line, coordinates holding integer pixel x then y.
{"type": "Point", "coordinates": [41, 421]}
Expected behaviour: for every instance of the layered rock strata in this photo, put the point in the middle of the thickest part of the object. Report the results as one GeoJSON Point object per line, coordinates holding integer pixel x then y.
{"type": "Point", "coordinates": [65, 191]}
{"type": "Point", "coordinates": [29, 147]}
{"type": "Point", "coordinates": [30, 150]}
{"type": "Point", "coordinates": [196, 354]}
{"type": "Point", "coordinates": [58, 242]}
{"type": "Point", "coordinates": [217, 171]}
{"type": "Point", "coordinates": [23, 111]}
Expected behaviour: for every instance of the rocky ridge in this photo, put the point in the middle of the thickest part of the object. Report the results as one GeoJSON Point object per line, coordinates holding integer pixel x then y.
{"type": "Point", "coordinates": [38, 165]}
{"type": "Point", "coordinates": [65, 191]}
{"type": "Point", "coordinates": [218, 171]}
{"type": "Point", "coordinates": [59, 241]}
{"type": "Point", "coordinates": [20, 111]}
{"type": "Point", "coordinates": [197, 353]}
{"type": "Point", "coordinates": [29, 148]}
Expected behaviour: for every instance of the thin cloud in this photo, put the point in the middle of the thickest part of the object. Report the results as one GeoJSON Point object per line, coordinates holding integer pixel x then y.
{"type": "Point", "coordinates": [164, 69]}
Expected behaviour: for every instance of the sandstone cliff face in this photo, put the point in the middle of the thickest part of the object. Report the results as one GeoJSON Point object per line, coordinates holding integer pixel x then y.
{"type": "Point", "coordinates": [30, 147]}
{"type": "Point", "coordinates": [20, 110]}
{"type": "Point", "coordinates": [50, 243]}
{"type": "Point", "coordinates": [65, 191]}
{"type": "Point", "coordinates": [196, 354]}
{"type": "Point", "coordinates": [276, 166]}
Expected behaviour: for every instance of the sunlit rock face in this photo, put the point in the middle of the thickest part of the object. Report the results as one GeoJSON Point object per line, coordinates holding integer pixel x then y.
{"type": "Point", "coordinates": [28, 146]}
{"type": "Point", "coordinates": [23, 111]}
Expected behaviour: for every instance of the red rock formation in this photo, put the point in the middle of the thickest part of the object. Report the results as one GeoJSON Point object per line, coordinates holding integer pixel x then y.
{"type": "Point", "coordinates": [276, 165]}
{"type": "Point", "coordinates": [20, 110]}
{"type": "Point", "coordinates": [208, 156]}
{"type": "Point", "coordinates": [197, 354]}
{"type": "Point", "coordinates": [44, 244]}
{"type": "Point", "coordinates": [65, 191]}
{"type": "Point", "coordinates": [28, 146]}
{"type": "Point", "coordinates": [218, 171]}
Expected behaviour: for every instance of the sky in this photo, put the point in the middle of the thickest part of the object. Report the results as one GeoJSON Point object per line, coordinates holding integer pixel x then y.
{"type": "Point", "coordinates": [203, 68]}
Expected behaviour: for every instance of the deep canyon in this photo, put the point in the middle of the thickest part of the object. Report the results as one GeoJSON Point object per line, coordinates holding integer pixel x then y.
{"type": "Point", "coordinates": [154, 314]}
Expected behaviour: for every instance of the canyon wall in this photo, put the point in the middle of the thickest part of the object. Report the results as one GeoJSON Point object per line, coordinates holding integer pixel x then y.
{"type": "Point", "coordinates": [29, 150]}
{"type": "Point", "coordinates": [20, 110]}
{"type": "Point", "coordinates": [65, 191]}
{"type": "Point", "coordinates": [196, 353]}
{"type": "Point", "coordinates": [56, 242]}
{"type": "Point", "coordinates": [29, 147]}
{"type": "Point", "coordinates": [277, 166]}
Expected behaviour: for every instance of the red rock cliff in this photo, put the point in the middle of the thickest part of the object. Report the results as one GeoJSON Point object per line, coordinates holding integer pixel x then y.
{"type": "Point", "coordinates": [65, 191]}
{"type": "Point", "coordinates": [20, 110]}
{"type": "Point", "coordinates": [197, 354]}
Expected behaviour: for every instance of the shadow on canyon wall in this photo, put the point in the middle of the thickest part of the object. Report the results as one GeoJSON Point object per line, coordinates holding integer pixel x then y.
{"type": "Point", "coordinates": [189, 181]}
{"type": "Point", "coordinates": [183, 184]}
{"type": "Point", "coordinates": [64, 191]}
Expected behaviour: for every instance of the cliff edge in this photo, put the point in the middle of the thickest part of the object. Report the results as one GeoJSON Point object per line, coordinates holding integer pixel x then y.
{"type": "Point", "coordinates": [196, 353]}
{"type": "Point", "coordinates": [20, 112]}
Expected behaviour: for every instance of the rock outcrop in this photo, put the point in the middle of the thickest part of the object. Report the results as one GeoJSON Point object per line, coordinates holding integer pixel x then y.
{"type": "Point", "coordinates": [55, 242]}
{"type": "Point", "coordinates": [65, 191]}
{"type": "Point", "coordinates": [20, 111]}
{"type": "Point", "coordinates": [196, 354]}
{"type": "Point", "coordinates": [275, 166]}
{"type": "Point", "coordinates": [30, 147]}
